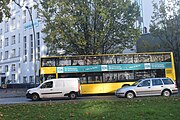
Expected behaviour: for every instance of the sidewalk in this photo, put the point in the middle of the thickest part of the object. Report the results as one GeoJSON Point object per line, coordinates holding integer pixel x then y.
{"type": "Point", "coordinates": [10, 92]}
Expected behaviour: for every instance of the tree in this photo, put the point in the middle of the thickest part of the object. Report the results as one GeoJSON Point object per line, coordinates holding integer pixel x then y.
{"type": "Point", "coordinates": [4, 9]}
{"type": "Point", "coordinates": [90, 26]}
{"type": "Point", "coordinates": [165, 25]}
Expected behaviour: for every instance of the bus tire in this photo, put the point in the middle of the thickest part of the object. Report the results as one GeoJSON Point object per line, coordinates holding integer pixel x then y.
{"type": "Point", "coordinates": [125, 85]}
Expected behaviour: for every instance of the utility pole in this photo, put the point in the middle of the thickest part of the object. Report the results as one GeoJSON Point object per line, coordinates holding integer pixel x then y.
{"type": "Point", "coordinates": [34, 43]}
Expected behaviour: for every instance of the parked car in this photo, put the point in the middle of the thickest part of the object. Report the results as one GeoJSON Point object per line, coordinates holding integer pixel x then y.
{"type": "Point", "coordinates": [148, 87]}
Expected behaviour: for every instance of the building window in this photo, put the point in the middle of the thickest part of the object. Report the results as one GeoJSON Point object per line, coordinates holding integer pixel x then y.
{"type": "Point", "coordinates": [24, 16]}
{"type": "Point", "coordinates": [31, 79]}
{"type": "Point", "coordinates": [13, 77]}
{"type": "Point", "coordinates": [19, 38]}
{"type": "Point", "coordinates": [38, 45]}
{"type": "Point", "coordinates": [0, 43]}
{"type": "Point", "coordinates": [0, 55]}
{"type": "Point", "coordinates": [13, 23]}
{"type": "Point", "coordinates": [24, 79]}
{"type": "Point", "coordinates": [37, 13]}
{"type": "Point", "coordinates": [6, 68]}
{"type": "Point", "coordinates": [31, 47]}
{"type": "Point", "coordinates": [6, 42]}
{"type": "Point", "coordinates": [13, 40]}
{"type": "Point", "coordinates": [13, 53]}
{"type": "Point", "coordinates": [19, 53]}
{"type": "Point", "coordinates": [18, 21]}
{"type": "Point", "coordinates": [13, 67]}
{"type": "Point", "coordinates": [6, 26]}
{"type": "Point", "coordinates": [6, 54]}
{"type": "Point", "coordinates": [25, 49]}
{"type": "Point", "coordinates": [1, 31]}
{"type": "Point", "coordinates": [0, 69]}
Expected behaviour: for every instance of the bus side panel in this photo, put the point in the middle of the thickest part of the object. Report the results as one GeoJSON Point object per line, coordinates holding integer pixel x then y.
{"type": "Point", "coordinates": [102, 88]}
{"type": "Point", "coordinates": [48, 70]}
{"type": "Point", "coordinates": [91, 88]}
{"type": "Point", "coordinates": [112, 87]}
{"type": "Point", "coordinates": [170, 73]}
{"type": "Point", "coordinates": [173, 67]}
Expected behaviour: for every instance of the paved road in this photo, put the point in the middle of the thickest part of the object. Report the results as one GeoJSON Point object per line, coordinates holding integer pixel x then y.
{"type": "Point", "coordinates": [13, 96]}
{"type": "Point", "coordinates": [13, 100]}
{"type": "Point", "coordinates": [16, 100]}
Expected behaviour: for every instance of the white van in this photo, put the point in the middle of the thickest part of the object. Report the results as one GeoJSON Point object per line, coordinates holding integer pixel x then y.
{"type": "Point", "coordinates": [55, 88]}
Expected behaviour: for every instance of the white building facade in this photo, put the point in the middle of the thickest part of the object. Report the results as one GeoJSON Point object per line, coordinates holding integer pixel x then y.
{"type": "Point", "coordinates": [16, 43]}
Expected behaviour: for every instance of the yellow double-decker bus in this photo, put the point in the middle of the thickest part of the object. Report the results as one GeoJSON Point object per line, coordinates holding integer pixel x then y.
{"type": "Point", "coordinates": [107, 72]}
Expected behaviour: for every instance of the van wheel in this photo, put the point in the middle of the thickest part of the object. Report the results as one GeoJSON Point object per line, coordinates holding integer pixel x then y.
{"type": "Point", "coordinates": [35, 97]}
{"type": "Point", "coordinates": [130, 95]}
{"type": "Point", "coordinates": [166, 93]}
{"type": "Point", "coordinates": [72, 95]}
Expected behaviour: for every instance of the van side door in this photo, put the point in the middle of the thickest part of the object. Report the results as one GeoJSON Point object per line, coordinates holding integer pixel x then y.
{"type": "Point", "coordinates": [46, 90]}
{"type": "Point", "coordinates": [58, 89]}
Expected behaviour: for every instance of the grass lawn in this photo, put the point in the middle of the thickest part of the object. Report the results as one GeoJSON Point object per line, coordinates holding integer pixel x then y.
{"type": "Point", "coordinates": [147, 108]}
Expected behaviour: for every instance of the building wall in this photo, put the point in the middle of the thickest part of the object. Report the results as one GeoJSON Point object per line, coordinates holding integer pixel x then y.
{"type": "Point", "coordinates": [15, 53]}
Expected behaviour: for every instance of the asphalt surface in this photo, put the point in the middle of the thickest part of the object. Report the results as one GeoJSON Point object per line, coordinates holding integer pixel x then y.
{"type": "Point", "coordinates": [16, 92]}
{"type": "Point", "coordinates": [14, 96]}
{"type": "Point", "coordinates": [16, 100]}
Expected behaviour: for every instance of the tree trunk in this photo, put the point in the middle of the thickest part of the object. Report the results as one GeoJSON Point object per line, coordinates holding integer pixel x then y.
{"type": "Point", "coordinates": [177, 73]}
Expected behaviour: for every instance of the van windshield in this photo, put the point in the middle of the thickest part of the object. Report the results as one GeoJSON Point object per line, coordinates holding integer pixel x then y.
{"type": "Point", "coordinates": [134, 84]}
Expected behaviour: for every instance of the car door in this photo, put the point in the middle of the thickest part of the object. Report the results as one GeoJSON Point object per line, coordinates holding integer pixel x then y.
{"type": "Point", "coordinates": [46, 90]}
{"type": "Point", "coordinates": [143, 88]}
{"type": "Point", "coordinates": [157, 86]}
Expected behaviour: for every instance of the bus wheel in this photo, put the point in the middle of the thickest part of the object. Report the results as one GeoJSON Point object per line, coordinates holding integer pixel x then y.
{"type": "Point", "coordinates": [125, 85]}
{"type": "Point", "coordinates": [130, 95]}
{"type": "Point", "coordinates": [35, 97]}
{"type": "Point", "coordinates": [166, 93]}
{"type": "Point", "coordinates": [72, 95]}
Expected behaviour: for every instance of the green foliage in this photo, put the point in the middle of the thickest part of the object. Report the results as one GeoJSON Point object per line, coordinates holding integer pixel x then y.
{"type": "Point", "coordinates": [90, 26]}
{"type": "Point", "coordinates": [165, 25]}
{"type": "Point", "coordinates": [4, 9]}
{"type": "Point", "coordinates": [154, 108]}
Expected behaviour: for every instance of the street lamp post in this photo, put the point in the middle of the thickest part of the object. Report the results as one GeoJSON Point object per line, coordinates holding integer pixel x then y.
{"type": "Point", "coordinates": [34, 41]}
